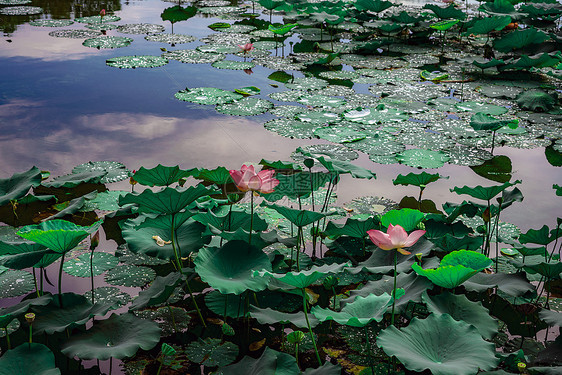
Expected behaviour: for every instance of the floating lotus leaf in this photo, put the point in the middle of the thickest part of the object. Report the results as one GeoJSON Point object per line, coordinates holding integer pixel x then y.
{"type": "Point", "coordinates": [343, 74]}
{"type": "Point", "coordinates": [319, 117]}
{"type": "Point", "coordinates": [15, 283]}
{"type": "Point", "coordinates": [332, 151]}
{"type": "Point", "coordinates": [462, 309]}
{"type": "Point", "coordinates": [58, 235]}
{"type": "Point", "coordinates": [377, 146]}
{"type": "Point", "coordinates": [14, 2]}
{"type": "Point", "coordinates": [69, 310]}
{"type": "Point", "coordinates": [266, 44]}
{"type": "Point", "coordinates": [23, 10]}
{"type": "Point", "coordinates": [374, 115]}
{"type": "Point", "coordinates": [170, 38]}
{"type": "Point", "coordinates": [217, 10]}
{"type": "Point", "coordinates": [218, 48]}
{"type": "Point", "coordinates": [211, 352]}
{"type": "Point", "coordinates": [207, 95]}
{"type": "Point", "coordinates": [188, 56]}
{"type": "Point", "coordinates": [306, 83]}
{"type": "Point", "coordinates": [303, 279]}
{"type": "Point", "coordinates": [29, 359]}
{"type": "Point", "coordinates": [321, 101]}
{"type": "Point", "coordinates": [132, 62]}
{"type": "Point", "coordinates": [109, 296]}
{"type": "Point", "coordinates": [535, 100]}
{"type": "Point", "coordinates": [98, 19]}
{"type": "Point", "coordinates": [132, 276]}
{"type": "Point", "coordinates": [75, 34]}
{"type": "Point", "coordinates": [18, 185]}
{"type": "Point", "coordinates": [423, 158]}
{"type": "Point", "coordinates": [291, 128]}
{"type": "Point", "coordinates": [119, 336]}
{"type": "Point", "coordinates": [245, 107]}
{"type": "Point", "coordinates": [140, 28]}
{"type": "Point", "coordinates": [101, 26]}
{"type": "Point", "coordinates": [233, 65]}
{"type": "Point", "coordinates": [80, 267]}
{"type": "Point", "coordinates": [339, 134]}
{"type": "Point", "coordinates": [499, 91]}
{"type": "Point", "coordinates": [115, 171]}
{"type": "Point", "coordinates": [104, 201]}
{"type": "Point", "coordinates": [158, 292]}
{"type": "Point", "coordinates": [519, 39]}
{"type": "Point", "coordinates": [49, 23]}
{"type": "Point", "coordinates": [360, 312]}
{"type": "Point", "coordinates": [441, 344]}
{"type": "Point", "coordinates": [488, 109]}
{"type": "Point", "coordinates": [168, 200]}
{"type": "Point", "coordinates": [165, 316]}
{"type": "Point", "coordinates": [270, 316]}
{"type": "Point", "coordinates": [248, 90]}
{"type": "Point", "coordinates": [104, 42]}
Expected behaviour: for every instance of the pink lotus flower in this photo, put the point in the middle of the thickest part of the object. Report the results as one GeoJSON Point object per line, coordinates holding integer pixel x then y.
{"type": "Point", "coordinates": [395, 238]}
{"type": "Point", "coordinates": [102, 13]}
{"type": "Point", "coordinates": [246, 47]}
{"type": "Point", "coordinates": [246, 179]}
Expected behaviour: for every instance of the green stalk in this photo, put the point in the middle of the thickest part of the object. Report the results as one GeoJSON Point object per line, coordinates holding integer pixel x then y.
{"type": "Point", "coordinates": [251, 216]}
{"type": "Point", "coordinates": [7, 338]}
{"type": "Point", "coordinates": [92, 273]}
{"type": "Point", "coordinates": [297, 352]}
{"type": "Point", "coordinates": [309, 328]}
{"type": "Point", "coordinates": [394, 289]}
{"type": "Point", "coordinates": [35, 282]}
{"type": "Point", "coordinates": [60, 279]}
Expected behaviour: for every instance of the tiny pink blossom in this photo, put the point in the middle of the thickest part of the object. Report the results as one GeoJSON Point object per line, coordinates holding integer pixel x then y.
{"type": "Point", "coordinates": [102, 13]}
{"type": "Point", "coordinates": [395, 238]}
{"type": "Point", "coordinates": [246, 179]}
{"type": "Point", "coordinates": [248, 47]}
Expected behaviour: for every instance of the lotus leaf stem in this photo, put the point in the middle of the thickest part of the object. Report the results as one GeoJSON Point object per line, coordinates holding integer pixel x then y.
{"type": "Point", "coordinates": [304, 302]}
{"type": "Point", "coordinates": [251, 216]}
{"type": "Point", "coordinates": [394, 289]}
{"type": "Point", "coordinates": [60, 279]}
{"type": "Point", "coordinates": [7, 338]}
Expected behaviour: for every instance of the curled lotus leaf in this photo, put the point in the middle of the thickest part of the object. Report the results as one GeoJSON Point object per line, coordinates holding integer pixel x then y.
{"type": "Point", "coordinates": [441, 344]}
{"type": "Point", "coordinates": [303, 279]}
{"type": "Point", "coordinates": [133, 62]}
{"type": "Point", "coordinates": [141, 28]}
{"type": "Point", "coordinates": [18, 185]}
{"type": "Point", "coordinates": [107, 42]}
{"type": "Point", "coordinates": [58, 235]}
{"type": "Point", "coordinates": [119, 336]}
{"type": "Point", "coordinates": [115, 171]}
{"type": "Point", "coordinates": [23, 10]}
{"type": "Point", "coordinates": [207, 95]}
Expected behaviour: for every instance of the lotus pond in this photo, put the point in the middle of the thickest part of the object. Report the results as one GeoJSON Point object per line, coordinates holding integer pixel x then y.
{"type": "Point", "coordinates": [401, 214]}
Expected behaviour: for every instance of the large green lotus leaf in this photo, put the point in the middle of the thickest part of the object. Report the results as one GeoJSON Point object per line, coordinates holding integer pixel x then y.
{"type": "Point", "coordinates": [216, 301]}
{"type": "Point", "coordinates": [160, 175]}
{"type": "Point", "coordinates": [189, 237]}
{"type": "Point", "coordinates": [376, 6]}
{"type": "Point", "coordinates": [131, 276]}
{"type": "Point", "coordinates": [489, 109]}
{"type": "Point", "coordinates": [119, 336]}
{"type": "Point", "coordinates": [371, 116]}
{"type": "Point", "coordinates": [211, 352]}
{"type": "Point", "coordinates": [258, 239]}
{"type": "Point", "coordinates": [407, 218]}
{"type": "Point", "coordinates": [462, 309]}
{"type": "Point", "coordinates": [231, 220]}
{"type": "Point", "coordinates": [488, 24]}
{"type": "Point", "coordinates": [483, 121]}
{"type": "Point", "coordinates": [298, 217]}
{"type": "Point", "coordinates": [162, 221]}
{"type": "Point", "coordinates": [271, 362]}
{"type": "Point", "coordinates": [23, 306]}
{"type": "Point", "coordinates": [233, 65]}
{"type": "Point", "coordinates": [218, 176]}
{"type": "Point", "coordinates": [58, 235]}
{"type": "Point", "coordinates": [74, 179]}
{"type": "Point", "coordinates": [229, 268]}
{"type": "Point", "coordinates": [110, 296]}
{"type": "Point", "coordinates": [441, 344]}
{"type": "Point", "coordinates": [207, 95]}
{"type": "Point", "coordinates": [18, 185]}
{"type": "Point", "coordinates": [360, 312]}
{"type": "Point", "coordinates": [537, 61]}
{"type": "Point", "coordinates": [450, 11]}
{"type": "Point", "coordinates": [417, 179]}
{"type": "Point", "coordinates": [168, 200]}
{"type": "Point", "coordinates": [419, 158]}
{"type": "Point", "coordinates": [467, 258]}
{"type": "Point", "coordinates": [342, 166]}
{"type": "Point", "coordinates": [446, 276]}
{"type": "Point", "coordinates": [74, 311]}
{"type": "Point", "coordinates": [498, 7]}
{"type": "Point", "coordinates": [115, 171]}
{"type": "Point", "coordinates": [80, 267]}
{"type": "Point", "coordinates": [178, 13]}
{"type": "Point", "coordinates": [303, 279]}
{"type": "Point", "coordinates": [519, 39]}
{"type": "Point", "coordinates": [536, 236]}
{"type": "Point", "coordinates": [158, 292]}
{"type": "Point", "coordinates": [536, 101]}
{"type": "Point", "coordinates": [441, 26]}
{"type": "Point", "coordinates": [270, 316]}
{"type": "Point", "coordinates": [28, 359]}
{"type": "Point", "coordinates": [356, 226]}
{"type": "Point", "coordinates": [549, 270]}
{"type": "Point", "coordinates": [15, 283]}
{"type": "Point", "coordinates": [24, 260]}
{"type": "Point", "coordinates": [484, 193]}
{"type": "Point", "coordinates": [488, 64]}
{"type": "Point", "coordinates": [552, 318]}
{"type": "Point", "coordinates": [282, 29]}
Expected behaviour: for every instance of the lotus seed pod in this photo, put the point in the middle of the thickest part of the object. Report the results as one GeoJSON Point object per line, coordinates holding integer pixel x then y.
{"type": "Point", "coordinates": [30, 317]}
